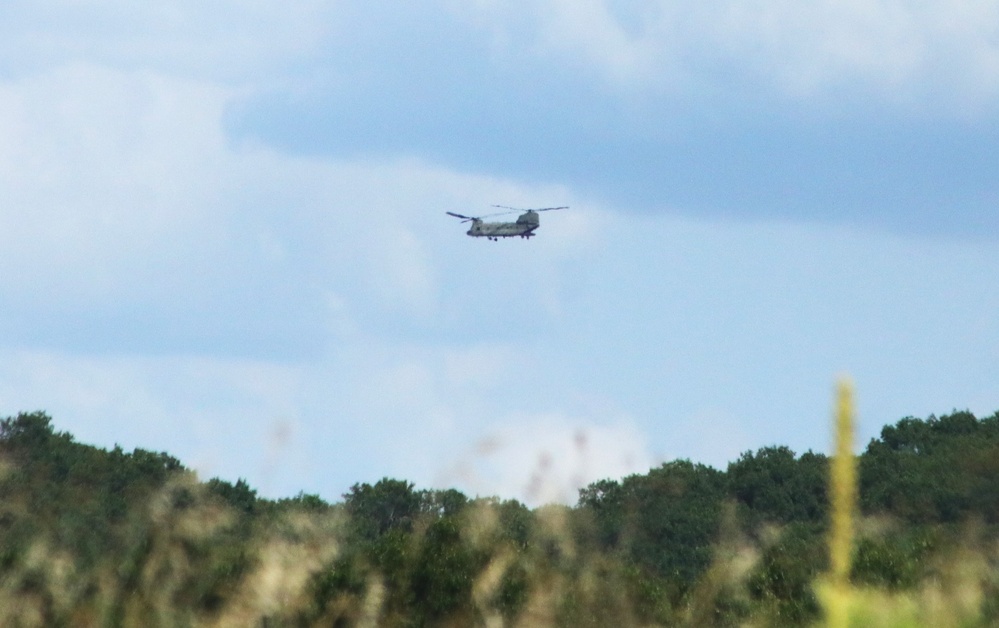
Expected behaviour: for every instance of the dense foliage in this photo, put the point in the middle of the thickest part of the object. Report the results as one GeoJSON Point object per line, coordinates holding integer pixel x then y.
{"type": "Point", "coordinates": [96, 537]}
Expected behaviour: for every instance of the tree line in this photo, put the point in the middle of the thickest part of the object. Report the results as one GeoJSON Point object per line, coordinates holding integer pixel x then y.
{"type": "Point", "coordinates": [91, 536]}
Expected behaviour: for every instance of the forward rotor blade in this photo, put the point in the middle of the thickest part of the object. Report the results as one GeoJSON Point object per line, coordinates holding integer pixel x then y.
{"type": "Point", "coordinates": [459, 216]}
{"type": "Point", "coordinates": [498, 213]}
{"type": "Point", "coordinates": [518, 209]}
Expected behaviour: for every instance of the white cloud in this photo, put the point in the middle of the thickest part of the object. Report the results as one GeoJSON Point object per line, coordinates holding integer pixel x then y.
{"type": "Point", "coordinates": [402, 274]}
{"type": "Point", "coordinates": [547, 458]}
{"type": "Point", "coordinates": [898, 51]}
{"type": "Point", "coordinates": [217, 415]}
{"type": "Point", "coordinates": [127, 204]}
{"type": "Point", "coordinates": [894, 50]}
{"type": "Point", "coordinates": [234, 41]}
{"type": "Point", "coordinates": [123, 194]}
{"type": "Point", "coordinates": [322, 426]}
{"type": "Point", "coordinates": [107, 177]}
{"type": "Point", "coordinates": [481, 366]}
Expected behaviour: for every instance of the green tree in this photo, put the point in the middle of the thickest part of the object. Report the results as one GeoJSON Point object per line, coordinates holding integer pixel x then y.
{"type": "Point", "coordinates": [388, 505]}
{"type": "Point", "coordinates": [664, 521]}
{"type": "Point", "coordinates": [775, 486]}
{"type": "Point", "coordinates": [941, 470]}
{"type": "Point", "coordinates": [783, 581]}
{"type": "Point", "coordinates": [238, 496]}
{"type": "Point", "coordinates": [444, 572]}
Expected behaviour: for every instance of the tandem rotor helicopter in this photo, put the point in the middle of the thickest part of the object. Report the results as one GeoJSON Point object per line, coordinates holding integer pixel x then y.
{"type": "Point", "coordinates": [524, 226]}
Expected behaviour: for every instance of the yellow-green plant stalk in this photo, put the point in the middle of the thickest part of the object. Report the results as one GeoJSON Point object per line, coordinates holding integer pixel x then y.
{"type": "Point", "coordinates": [843, 495]}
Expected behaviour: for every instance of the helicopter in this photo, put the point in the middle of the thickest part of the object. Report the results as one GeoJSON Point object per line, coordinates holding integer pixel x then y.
{"type": "Point", "coordinates": [524, 226]}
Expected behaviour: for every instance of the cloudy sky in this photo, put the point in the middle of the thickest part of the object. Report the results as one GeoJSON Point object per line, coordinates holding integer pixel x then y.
{"type": "Point", "coordinates": [222, 231]}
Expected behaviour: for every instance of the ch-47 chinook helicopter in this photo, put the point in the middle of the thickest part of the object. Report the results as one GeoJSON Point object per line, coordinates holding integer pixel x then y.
{"type": "Point", "coordinates": [524, 226]}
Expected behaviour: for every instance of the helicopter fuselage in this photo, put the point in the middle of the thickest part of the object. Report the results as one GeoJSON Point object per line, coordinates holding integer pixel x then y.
{"type": "Point", "coordinates": [524, 227]}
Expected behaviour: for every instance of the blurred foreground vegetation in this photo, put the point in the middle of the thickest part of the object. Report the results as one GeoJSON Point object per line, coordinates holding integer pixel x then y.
{"type": "Point", "coordinates": [90, 537]}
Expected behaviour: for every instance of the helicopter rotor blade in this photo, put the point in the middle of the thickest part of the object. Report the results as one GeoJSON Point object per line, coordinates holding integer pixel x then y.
{"type": "Point", "coordinates": [464, 218]}
{"type": "Point", "coordinates": [498, 213]}
{"type": "Point", "coordinates": [542, 209]}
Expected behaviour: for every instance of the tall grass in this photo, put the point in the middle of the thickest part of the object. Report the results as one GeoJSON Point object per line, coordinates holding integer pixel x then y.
{"type": "Point", "coordinates": [952, 596]}
{"type": "Point", "coordinates": [835, 592]}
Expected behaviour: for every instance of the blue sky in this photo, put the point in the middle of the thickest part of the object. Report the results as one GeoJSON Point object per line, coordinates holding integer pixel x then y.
{"type": "Point", "coordinates": [223, 231]}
